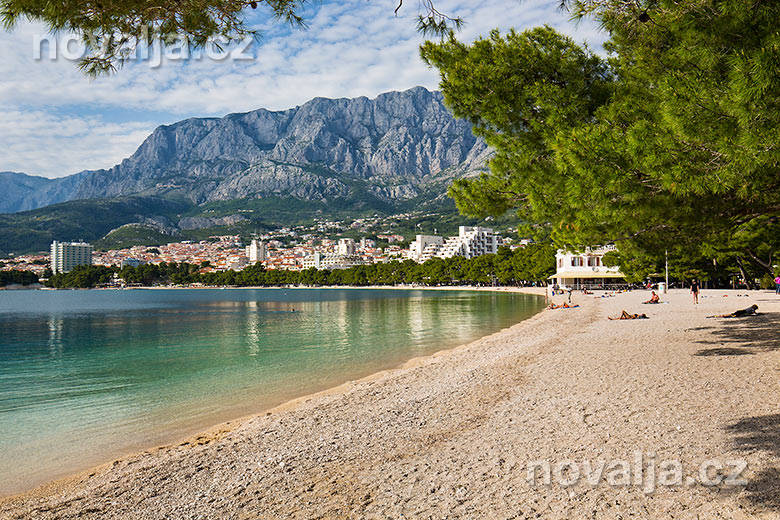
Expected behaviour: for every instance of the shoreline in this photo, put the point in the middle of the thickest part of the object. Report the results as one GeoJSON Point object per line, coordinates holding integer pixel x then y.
{"type": "Point", "coordinates": [210, 429]}
{"type": "Point", "coordinates": [538, 291]}
{"type": "Point", "coordinates": [540, 345]}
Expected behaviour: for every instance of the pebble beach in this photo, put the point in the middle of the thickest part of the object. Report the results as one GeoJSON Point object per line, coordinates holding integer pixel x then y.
{"type": "Point", "coordinates": [566, 415]}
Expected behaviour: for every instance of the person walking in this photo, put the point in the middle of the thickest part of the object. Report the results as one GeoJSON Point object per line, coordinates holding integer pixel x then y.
{"type": "Point", "coordinates": [695, 291]}
{"type": "Point", "coordinates": [777, 284]}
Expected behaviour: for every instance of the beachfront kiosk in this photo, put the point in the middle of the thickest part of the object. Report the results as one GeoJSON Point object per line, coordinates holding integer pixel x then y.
{"type": "Point", "coordinates": [585, 269]}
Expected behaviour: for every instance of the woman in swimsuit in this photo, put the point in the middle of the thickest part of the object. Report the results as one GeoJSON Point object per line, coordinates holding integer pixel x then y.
{"type": "Point", "coordinates": [695, 291]}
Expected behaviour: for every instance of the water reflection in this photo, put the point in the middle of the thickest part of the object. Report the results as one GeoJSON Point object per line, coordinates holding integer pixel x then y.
{"type": "Point", "coordinates": [55, 336]}
{"type": "Point", "coordinates": [85, 375]}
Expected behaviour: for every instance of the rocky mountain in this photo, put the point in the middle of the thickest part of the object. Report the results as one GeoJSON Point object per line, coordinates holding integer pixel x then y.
{"type": "Point", "coordinates": [398, 147]}
{"type": "Point", "coordinates": [22, 192]}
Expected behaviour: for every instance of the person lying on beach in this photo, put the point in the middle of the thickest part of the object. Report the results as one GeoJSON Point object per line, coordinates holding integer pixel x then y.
{"type": "Point", "coordinates": [750, 311]}
{"type": "Point", "coordinates": [564, 305]}
{"type": "Point", "coordinates": [654, 298]}
{"type": "Point", "coordinates": [627, 316]}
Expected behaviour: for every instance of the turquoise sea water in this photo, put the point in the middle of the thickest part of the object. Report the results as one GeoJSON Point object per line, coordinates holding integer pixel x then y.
{"type": "Point", "coordinates": [86, 376]}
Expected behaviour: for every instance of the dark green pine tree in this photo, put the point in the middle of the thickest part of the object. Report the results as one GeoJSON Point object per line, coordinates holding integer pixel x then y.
{"type": "Point", "coordinates": [670, 142]}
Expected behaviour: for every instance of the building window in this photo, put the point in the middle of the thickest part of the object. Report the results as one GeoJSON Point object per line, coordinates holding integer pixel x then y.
{"type": "Point", "coordinates": [576, 261]}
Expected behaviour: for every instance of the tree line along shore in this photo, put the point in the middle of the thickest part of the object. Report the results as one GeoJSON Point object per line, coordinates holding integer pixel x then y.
{"type": "Point", "coordinates": [529, 265]}
{"type": "Point", "coordinates": [524, 266]}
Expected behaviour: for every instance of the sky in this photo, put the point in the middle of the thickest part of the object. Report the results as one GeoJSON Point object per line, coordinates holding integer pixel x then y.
{"type": "Point", "coordinates": [54, 121]}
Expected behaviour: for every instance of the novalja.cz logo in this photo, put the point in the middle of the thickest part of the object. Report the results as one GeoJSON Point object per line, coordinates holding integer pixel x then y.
{"type": "Point", "coordinates": [152, 49]}
{"type": "Point", "coordinates": [642, 470]}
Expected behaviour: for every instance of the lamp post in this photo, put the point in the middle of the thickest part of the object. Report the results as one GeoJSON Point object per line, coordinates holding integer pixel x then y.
{"type": "Point", "coordinates": [666, 269]}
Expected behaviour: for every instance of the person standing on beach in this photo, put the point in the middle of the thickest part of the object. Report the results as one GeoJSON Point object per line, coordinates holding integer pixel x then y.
{"type": "Point", "coordinates": [695, 291]}
{"type": "Point", "coordinates": [777, 284]}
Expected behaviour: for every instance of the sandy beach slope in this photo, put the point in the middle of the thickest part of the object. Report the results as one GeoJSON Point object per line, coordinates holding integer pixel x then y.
{"type": "Point", "coordinates": [454, 435]}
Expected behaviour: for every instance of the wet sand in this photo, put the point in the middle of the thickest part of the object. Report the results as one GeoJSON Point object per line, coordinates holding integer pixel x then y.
{"type": "Point", "coordinates": [453, 435]}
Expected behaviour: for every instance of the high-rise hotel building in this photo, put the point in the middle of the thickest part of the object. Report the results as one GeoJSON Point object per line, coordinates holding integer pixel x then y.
{"type": "Point", "coordinates": [67, 255]}
{"type": "Point", "coordinates": [256, 251]}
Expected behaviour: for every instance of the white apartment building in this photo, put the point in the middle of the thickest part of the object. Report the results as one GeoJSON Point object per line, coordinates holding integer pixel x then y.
{"type": "Point", "coordinates": [332, 261]}
{"type": "Point", "coordinates": [471, 241]}
{"type": "Point", "coordinates": [575, 269]}
{"type": "Point", "coordinates": [346, 247]}
{"type": "Point", "coordinates": [422, 245]}
{"type": "Point", "coordinates": [67, 255]}
{"type": "Point", "coordinates": [256, 251]}
{"type": "Point", "coordinates": [313, 260]}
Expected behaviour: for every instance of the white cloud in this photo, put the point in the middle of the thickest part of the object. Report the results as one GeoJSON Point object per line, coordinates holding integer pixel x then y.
{"type": "Point", "coordinates": [36, 141]}
{"type": "Point", "coordinates": [351, 48]}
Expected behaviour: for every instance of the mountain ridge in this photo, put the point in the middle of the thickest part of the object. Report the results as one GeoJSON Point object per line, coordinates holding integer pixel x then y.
{"type": "Point", "coordinates": [393, 148]}
{"type": "Point", "coordinates": [249, 171]}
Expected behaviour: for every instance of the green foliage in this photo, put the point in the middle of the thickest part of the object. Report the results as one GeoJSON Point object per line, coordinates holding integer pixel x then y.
{"type": "Point", "coordinates": [81, 277]}
{"type": "Point", "coordinates": [767, 282]}
{"type": "Point", "coordinates": [755, 243]}
{"type": "Point", "coordinates": [134, 235]}
{"type": "Point", "coordinates": [518, 92]}
{"type": "Point", "coordinates": [163, 273]}
{"type": "Point", "coordinates": [15, 277]}
{"type": "Point", "coordinates": [684, 264]}
{"type": "Point", "coordinates": [670, 143]}
{"type": "Point", "coordinates": [522, 266]}
{"type": "Point", "coordinates": [79, 219]}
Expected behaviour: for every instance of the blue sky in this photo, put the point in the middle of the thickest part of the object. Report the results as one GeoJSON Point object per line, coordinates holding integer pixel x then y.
{"type": "Point", "coordinates": [55, 122]}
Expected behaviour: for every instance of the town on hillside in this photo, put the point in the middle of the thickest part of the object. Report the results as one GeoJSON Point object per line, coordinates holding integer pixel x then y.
{"type": "Point", "coordinates": [228, 252]}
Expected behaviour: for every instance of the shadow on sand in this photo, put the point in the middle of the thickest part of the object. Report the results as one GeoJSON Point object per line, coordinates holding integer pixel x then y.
{"type": "Point", "coordinates": [748, 336]}
{"type": "Point", "coordinates": [761, 433]}
{"type": "Point", "coordinates": [742, 336]}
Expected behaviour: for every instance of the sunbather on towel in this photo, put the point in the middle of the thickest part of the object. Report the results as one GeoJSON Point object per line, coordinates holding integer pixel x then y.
{"type": "Point", "coordinates": [750, 311]}
{"type": "Point", "coordinates": [654, 298]}
{"type": "Point", "coordinates": [628, 316]}
{"type": "Point", "coordinates": [564, 305]}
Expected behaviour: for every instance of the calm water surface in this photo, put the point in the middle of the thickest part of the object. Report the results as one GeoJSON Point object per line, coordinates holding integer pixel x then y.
{"type": "Point", "coordinates": [90, 375]}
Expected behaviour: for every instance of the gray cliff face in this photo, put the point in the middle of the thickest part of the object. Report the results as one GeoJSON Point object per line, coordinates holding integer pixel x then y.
{"type": "Point", "coordinates": [391, 147]}
{"type": "Point", "coordinates": [18, 190]}
{"type": "Point", "coordinates": [21, 192]}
